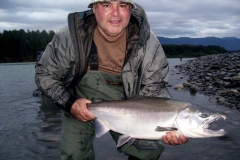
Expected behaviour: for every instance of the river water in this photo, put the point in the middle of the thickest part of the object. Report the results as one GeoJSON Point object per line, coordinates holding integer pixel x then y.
{"type": "Point", "coordinates": [30, 126]}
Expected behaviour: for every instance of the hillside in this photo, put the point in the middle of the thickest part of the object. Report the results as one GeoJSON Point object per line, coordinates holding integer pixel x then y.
{"type": "Point", "coordinates": [229, 43]}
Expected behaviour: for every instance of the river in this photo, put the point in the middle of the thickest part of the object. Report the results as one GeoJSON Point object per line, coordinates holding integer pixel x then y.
{"type": "Point", "coordinates": [30, 126]}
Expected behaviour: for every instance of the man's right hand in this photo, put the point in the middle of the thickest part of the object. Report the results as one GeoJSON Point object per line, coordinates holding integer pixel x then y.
{"type": "Point", "coordinates": [80, 111]}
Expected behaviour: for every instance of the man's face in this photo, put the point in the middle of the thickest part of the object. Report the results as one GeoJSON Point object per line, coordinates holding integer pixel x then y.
{"type": "Point", "coordinates": [112, 17]}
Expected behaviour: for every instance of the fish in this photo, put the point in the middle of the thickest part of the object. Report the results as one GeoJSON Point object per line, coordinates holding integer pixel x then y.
{"type": "Point", "coordinates": [149, 118]}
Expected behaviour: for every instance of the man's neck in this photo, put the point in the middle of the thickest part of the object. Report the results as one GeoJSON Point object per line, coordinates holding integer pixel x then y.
{"type": "Point", "coordinates": [110, 38]}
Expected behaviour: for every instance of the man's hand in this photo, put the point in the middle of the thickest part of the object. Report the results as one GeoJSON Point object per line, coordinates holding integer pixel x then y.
{"type": "Point", "coordinates": [80, 111]}
{"type": "Point", "coordinates": [172, 139]}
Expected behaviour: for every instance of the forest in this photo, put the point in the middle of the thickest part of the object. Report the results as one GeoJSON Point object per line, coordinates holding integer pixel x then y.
{"type": "Point", "coordinates": [22, 46]}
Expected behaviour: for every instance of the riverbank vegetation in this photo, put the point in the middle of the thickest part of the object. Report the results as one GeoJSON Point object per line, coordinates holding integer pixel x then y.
{"type": "Point", "coordinates": [23, 46]}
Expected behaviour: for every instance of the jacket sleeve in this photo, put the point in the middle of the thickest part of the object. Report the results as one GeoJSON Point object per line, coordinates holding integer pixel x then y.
{"type": "Point", "coordinates": [155, 70]}
{"type": "Point", "coordinates": [54, 66]}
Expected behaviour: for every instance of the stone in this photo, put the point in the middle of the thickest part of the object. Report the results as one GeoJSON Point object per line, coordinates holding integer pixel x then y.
{"type": "Point", "coordinates": [187, 85]}
{"type": "Point", "coordinates": [234, 91]}
{"type": "Point", "coordinates": [179, 87]}
{"type": "Point", "coordinates": [236, 78]}
{"type": "Point", "coordinates": [215, 75]}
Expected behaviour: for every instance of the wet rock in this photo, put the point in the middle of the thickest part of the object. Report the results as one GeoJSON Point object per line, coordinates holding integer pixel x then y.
{"type": "Point", "coordinates": [193, 90]}
{"type": "Point", "coordinates": [215, 75]}
{"type": "Point", "coordinates": [37, 92]}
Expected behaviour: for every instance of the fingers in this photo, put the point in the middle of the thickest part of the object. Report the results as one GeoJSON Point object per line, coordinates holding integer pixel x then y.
{"type": "Point", "coordinates": [80, 111]}
{"type": "Point", "coordinates": [183, 139]}
{"type": "Point", "coordinates": [172, 139]}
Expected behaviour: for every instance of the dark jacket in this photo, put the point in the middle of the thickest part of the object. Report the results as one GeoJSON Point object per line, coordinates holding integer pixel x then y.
{"type": "Point", "coordinates": [65, 59]}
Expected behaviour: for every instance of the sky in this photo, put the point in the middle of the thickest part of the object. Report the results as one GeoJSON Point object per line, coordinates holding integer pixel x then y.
{"type": "Point", "coordinates": [167, 18]}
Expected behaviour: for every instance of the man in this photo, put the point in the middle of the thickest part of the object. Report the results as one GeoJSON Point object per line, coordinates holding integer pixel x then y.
{"type": "Point", "coordinates": [110, 53]}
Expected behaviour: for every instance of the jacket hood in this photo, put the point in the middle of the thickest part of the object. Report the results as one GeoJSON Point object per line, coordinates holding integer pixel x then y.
{"type": "Point", "coordinates": [139, 14]}
{"type": "Point", "coordinates": [143, 24]}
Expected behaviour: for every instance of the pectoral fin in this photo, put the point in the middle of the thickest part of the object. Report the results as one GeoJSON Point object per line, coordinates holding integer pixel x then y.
{"type": "Point", "coordinates": [100, 128]}
{"type": "Point", "coordinates": [122, 140]}
{"type": "Point", "coordinates": [161, 129]}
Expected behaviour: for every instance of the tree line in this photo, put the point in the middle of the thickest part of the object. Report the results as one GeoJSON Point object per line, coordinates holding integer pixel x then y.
{"type": "Point", "coordinates": [21, 46]}
{"type": "Point", "coordinates": [186, 50]}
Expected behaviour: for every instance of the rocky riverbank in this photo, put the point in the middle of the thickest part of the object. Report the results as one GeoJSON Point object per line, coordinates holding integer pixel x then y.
{"type": "Point", "coordinates": [217, 76]}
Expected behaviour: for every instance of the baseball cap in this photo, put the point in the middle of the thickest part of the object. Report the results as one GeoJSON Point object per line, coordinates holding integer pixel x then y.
{"type": "Point", "coordinates": [125, 1]}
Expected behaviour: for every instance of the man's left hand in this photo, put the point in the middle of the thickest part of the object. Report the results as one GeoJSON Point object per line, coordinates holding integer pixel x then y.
{"type": "Point", "coordinates": [172, 139]}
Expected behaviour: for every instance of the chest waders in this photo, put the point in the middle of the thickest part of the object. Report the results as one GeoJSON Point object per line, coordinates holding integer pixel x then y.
{"type": "Point", "coordinates": [77, 137]}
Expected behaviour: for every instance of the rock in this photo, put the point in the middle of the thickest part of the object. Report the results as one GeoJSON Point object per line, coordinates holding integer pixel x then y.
{"type": "Point", "coordinates": [193, 90]}
{"type": "Point", "coordinates": [227, 78]}
{"type": "Point", "coordinates": [236, 78]}
{"type": "Point", "coordinates": [179, 87]}
{"type": "Point", "coordinates": [222, 73]}
{"type": "Point", "coordinates": [236, 123]}
{"type": "Point", "coordinates": [37, 92]}
{"type": "Point", "coordinates": [208, 78]}
{"type": "Point", "coordinates": [209, 74]}
{"type": "Point", "coordinates": [187, 85]}
{"type": "Point", "coordinates": [234, 91]}
{"type": "Point", "coordinates": [214, 75]}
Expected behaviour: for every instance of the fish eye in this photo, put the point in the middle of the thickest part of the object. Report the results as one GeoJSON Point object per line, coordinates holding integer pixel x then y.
{"type": "Point", "coordinates": [204, 115]}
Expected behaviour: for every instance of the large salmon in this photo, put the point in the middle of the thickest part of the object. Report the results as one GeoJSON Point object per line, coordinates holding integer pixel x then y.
{"type": "Point", "coordinates": [151, 117]}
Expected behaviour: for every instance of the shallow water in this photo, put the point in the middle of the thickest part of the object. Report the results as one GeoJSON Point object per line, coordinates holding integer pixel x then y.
{"type": "Point", "coordinates": [30, 126]}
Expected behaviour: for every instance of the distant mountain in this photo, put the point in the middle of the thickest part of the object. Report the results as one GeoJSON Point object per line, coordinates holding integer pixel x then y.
{"type": "Point", "coordinates": [229, 43]}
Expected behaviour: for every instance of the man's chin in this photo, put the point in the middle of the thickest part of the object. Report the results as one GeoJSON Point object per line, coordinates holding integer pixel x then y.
{"type": "Point", "coordinates": [115, 33]}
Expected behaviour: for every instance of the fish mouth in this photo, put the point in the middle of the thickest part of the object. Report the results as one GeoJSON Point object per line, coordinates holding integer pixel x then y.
{"type": "Point", "coordinates": [207, 123]}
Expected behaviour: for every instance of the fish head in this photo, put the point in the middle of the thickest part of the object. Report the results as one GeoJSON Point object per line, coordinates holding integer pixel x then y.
{"type": "Point", "coordinates": [194, 122]}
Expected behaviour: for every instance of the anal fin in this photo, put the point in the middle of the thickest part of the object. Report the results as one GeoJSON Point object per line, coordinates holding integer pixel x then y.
{"type": "Point", "coordinates": [122, 140]}
{"type": "Point", "coordinates": [131, 141]}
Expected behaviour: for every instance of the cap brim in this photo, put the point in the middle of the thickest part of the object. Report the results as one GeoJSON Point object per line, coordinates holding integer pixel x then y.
{"type": "Point", "coordinates": [91, 5]}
